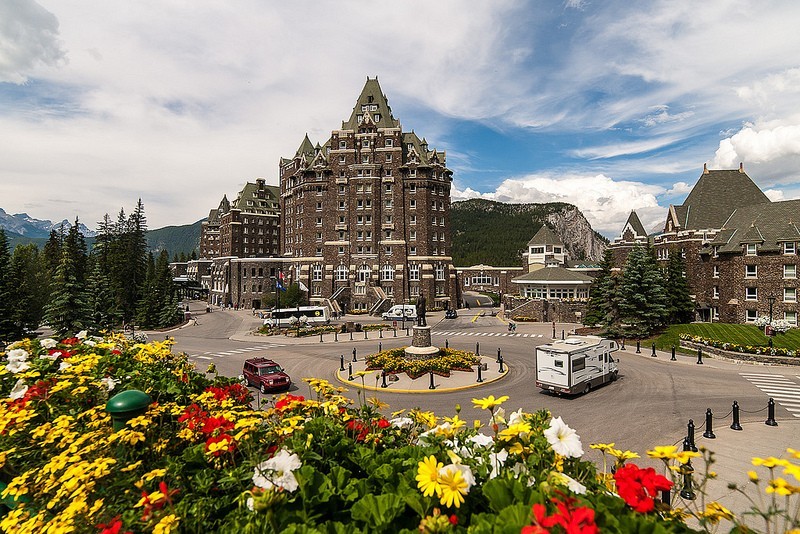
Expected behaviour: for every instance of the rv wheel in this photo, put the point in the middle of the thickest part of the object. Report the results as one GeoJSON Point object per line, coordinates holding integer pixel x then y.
{"type": "Point", "coordinates": [614, 376]}
{"type": "Point", "coordinates": [587, 389]}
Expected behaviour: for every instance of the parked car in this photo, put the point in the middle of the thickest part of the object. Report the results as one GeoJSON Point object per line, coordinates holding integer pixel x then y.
{"type": "Point", "coordinates": [450, 314]}
{"type": "Point", "coordinates": [266, 375]}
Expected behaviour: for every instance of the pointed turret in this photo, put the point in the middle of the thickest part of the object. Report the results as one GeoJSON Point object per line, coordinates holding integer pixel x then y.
{"type": "Point", "coordinates": [371, 102]}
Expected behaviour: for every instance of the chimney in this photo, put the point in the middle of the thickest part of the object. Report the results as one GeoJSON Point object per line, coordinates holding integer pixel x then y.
{"type": "Point", "coordinates": [705, 168]}
{"type": "Point", "coordinates": [741, 167]}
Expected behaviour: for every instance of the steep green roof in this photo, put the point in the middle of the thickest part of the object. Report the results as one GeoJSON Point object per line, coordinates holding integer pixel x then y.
{"type": "Point", "coordinates": [305, 147]}
{"type": "Point", "coordinates": [545, 236]}
{"type": "Point", "coordinates": [715, 196]}
{"type": "Point", "coordinates": [635, 224]}
{"type": "Point", "coordinates": [768, 225]}
{"type": "Point", "coordinates": [374, 102]}
{"type": "Point", "coordinates": [267, 205]}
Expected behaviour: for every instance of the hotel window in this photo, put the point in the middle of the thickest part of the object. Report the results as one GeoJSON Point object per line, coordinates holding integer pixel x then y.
{"type": "Point", "coordinates": [790, 317]}
{"type": "Point", "coordinates": [364, 273]}
{"type": "Point", "coordinates": [316, 272]}
{"type": "Point", "coordinates": [341, 251]}
{"type": "Point", "coordinates": [341, 205]}
{"type": "Point", "coordinates": [413, 219]}
{"type": "Point", "coordinates": [341, 219]}
{"type": "Point", "coordinates": [412, 251]}
{"type": "Point", "coordinates": [388, 219]}
{"type": "Point", "coordinates": [318, 221]}
{"type": "Point", "coordinates": [360, 204]}
{"type": "Point", "coordinates": [388, 160]}
{"type": "Point", "coordinates": [368, 203]}
{"type": "Point", "coordinates": [790, 271]}
{"type": "Point", "coordinates": [412, 188]}
{"type": "Point", "coordinates": [751, 316]}
{"type": "Point", "coordinates": [388, 204]}
{"type": "Point", "coordinates": [789, 294]}
{"type": "Point", "coordinates": [388, 188]}
{"type": "Point", "coordinates": [750, 249]}
{"type": "Point", "coordinates": [390, 142]}
{"type": "Point", "coordinates": [319, 206]}
{"type": "Point", "coordinates": [715, 292]}
{"type": "Point", "coordinates": [715, 251]}
{"type": "Point", "coordinates": [412, 204]}
{"type": "Point", "coordinates": [750, 271]}
{"type": "Point", "coordinates": [715, 313]}
{"type": "Point", "coordinates": [789, 248]}
{"type": "Point", "coordinates": [377, 117]}
{"type": "Point", "coordinates": [387, 251]}
{"type": "Point", "coordinates": [716, 271]}
{"type": "Point", "coordinates": [342, 190]}
{"type": "Point", "coordinates": [342, 144]}
{"type": "Point", "coordinates": [413, 272]}
{"type": "Point", "coordinates": [439, 273]}
{"type": "Point", "coordinates": [341, 158]}
{"type": "Point", "coordinates": [365, 143]}
{"type": "Point", "coordinates": [387, 273]}
{"type": "Point", "coordinates": [341, 273]}
{"type": "Point", "coordinates": [412, 172]}
{"type": "Point", "coordinates": [412, 235]}
{"type": "Point", "coordinates": [751, 293]}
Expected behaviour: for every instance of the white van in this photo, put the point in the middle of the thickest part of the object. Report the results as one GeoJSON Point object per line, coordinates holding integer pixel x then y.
{"type": "Point", "coordinates": [397, 311]}
{"type": "Point", "coordinates": [576, 364]}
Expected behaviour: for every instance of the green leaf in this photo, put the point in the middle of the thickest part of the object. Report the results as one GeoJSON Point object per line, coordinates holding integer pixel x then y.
{"type": "Point", "coordinates": [378, 512]}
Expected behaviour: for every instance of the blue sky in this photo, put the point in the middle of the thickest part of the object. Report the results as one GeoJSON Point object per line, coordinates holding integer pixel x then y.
{"type": "Point", "coordinates": [610, 105]}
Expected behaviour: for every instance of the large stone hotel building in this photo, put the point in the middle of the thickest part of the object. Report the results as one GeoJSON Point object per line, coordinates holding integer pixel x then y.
{"type": "Point", "coordinates": [364, 221]}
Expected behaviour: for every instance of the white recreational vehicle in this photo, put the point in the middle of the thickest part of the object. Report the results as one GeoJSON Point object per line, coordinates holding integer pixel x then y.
{"type": "Point", "coordinates": [576, 364]}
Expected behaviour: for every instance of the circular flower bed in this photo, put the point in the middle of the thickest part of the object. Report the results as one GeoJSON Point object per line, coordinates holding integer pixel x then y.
{"type": "Point", "coordinates": [394, 361]}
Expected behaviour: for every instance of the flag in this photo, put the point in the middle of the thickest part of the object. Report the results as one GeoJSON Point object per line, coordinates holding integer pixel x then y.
{"type": "Point", "coordinates": [280, 283]}
{"type": "Point", "coordinates": [303, 287]}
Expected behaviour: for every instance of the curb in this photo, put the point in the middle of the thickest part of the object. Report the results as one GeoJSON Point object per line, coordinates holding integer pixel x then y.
{"type": "Point", "coordinates": [437, 390]}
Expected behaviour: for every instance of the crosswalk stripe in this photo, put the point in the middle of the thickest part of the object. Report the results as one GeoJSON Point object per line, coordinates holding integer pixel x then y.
{"type": "Point", "coordinates": [204, 358]}
{"type": "Point", "coordinates": [760, 374]}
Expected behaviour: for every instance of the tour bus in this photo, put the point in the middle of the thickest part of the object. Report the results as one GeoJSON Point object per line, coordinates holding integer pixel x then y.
{"type": "Point", "coordinates": [576, 364]}
{"type": "Point", "coordinates": [283, 317]}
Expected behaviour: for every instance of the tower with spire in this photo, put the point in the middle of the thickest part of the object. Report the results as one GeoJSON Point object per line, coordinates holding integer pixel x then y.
{"type": "Point", "coordinates": [367, 212]}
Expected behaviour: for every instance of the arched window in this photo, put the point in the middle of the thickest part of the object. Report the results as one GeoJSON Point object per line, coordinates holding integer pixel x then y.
{"type": "Point", "coordinates": [413, 272]}
{"type": "Point", "coordinates": [316, 272]}
{"type": "Point", "coordinates": [387, 273]}
{"type": "Point", "coordinates": [341, 273]}
{"type": "Point", "coordinates": [439, 272]}
{"type": "Point", "coordinates": [364, 273]}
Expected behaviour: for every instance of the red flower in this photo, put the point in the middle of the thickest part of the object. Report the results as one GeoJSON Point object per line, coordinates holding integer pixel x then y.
{"type": "Point", "coordinates": [572, 519]}
{"type": "Point", "coordinates": [112, 527]}
{"type": "Point", "coordinates": [286, 400]}
{"type": "Point", "coordinates": [158, 504]}
{"type": "Point", "coordinates": [453, 519]}
{"type": "Point", "coordinates": [193, 416]}
{"type": "Point", "coordinates": [70, 341]}
{"type": "Point", "coordinates": [639, 487]}
{"type": "Point", "coordinates": [383, 423]}
{"type": "Point", "coordinates": [212, 424]}
{"type": "Point", "coordinates": [358, 429]}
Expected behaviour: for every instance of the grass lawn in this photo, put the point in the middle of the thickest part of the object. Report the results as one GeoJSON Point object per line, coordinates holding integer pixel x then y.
{"type": "Point", "coordinates": [742, 334]}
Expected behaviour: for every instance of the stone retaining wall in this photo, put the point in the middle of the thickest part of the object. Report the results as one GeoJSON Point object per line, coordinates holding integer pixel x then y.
{"type": "Point", "coordinates": [764, 359]}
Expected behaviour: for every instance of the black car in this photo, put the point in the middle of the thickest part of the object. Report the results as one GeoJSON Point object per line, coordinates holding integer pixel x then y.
{"type": "Point", "coordinates": [450, 314]}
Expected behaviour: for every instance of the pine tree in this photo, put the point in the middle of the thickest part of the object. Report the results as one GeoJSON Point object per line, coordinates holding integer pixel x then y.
{"type": "Point", "coordinates": [680, 308]}
{"type": "Point", "coordinates": [642, 296]}
{"type": "Point", "coordinates": [147, 306]}
{"type": "Point", "coordinates": [600, 296]}
{"type": "Point", "coordinates": [104, 314]}
{"type": "Point", "coordinates": [7, 327]}
{"type": "Point", "coordinates": [68, 308]}
{"type": "Point", "coordinates": [167, 292]}
{"type": "Point", "coordinates": [29, 288]}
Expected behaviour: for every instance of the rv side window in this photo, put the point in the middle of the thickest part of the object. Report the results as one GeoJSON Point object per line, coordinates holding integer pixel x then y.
{"type": "Point", "coordinates": [559, 363]}
{"type": "Point", "coordinates": [579, 364]}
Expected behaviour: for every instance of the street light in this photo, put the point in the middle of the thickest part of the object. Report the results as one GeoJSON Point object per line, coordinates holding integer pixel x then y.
{"type": "Point", "coordinates": [771, 300]}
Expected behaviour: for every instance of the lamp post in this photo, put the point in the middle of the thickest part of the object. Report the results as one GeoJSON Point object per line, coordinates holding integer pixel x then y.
{"type": "Point", "coordinates": [771, 300]}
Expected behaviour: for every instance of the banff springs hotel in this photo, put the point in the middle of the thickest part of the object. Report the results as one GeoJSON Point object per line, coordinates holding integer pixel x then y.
{"type": "Point", "coordinates": [362, 221]}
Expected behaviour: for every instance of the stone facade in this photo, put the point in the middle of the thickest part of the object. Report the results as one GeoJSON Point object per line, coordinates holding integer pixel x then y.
{"type": "Point", "coordinates": [248, 227]}
{"type": "Point", "coordinates": [367, 214]}
{"type": "Point", "coordinates": [740, 250]}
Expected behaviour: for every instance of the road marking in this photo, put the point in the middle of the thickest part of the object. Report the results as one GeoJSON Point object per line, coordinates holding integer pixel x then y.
{"type": "Point", "coordinates": [204, 358]}
{"type": "Point", "coordinates": [784, 391]}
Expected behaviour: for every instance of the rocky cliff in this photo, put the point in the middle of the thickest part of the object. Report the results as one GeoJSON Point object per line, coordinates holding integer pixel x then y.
{"type": "Point", "coordinates": [582, 243]}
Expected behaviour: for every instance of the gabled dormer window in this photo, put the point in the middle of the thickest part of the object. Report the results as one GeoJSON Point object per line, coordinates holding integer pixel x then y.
{"type": "Point", "coordinates": [750, 249]}
{"type": "Point", "coordinates": [790, 248]}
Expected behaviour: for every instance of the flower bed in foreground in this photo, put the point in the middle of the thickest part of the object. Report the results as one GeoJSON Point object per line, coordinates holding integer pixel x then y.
{"type": "Point", "coordinates": [201, 460]}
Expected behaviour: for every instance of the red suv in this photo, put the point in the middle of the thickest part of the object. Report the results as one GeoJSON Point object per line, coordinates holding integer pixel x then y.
{"type": "Point", "coordinates": [265, 374]}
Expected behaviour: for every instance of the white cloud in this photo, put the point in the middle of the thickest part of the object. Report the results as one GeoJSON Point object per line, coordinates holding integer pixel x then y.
{"type": "Point", "coordinates": [662, 115]}
{"type": "Point", "coordinates": [623, 149]}
{"type": "Point", "coordinates": [758, 144]}
{"type": "Point", "coordinates": [28, 38]}
{"type": "Point", "coordinates": [606, 203]}
{"type": "Point", "coordinates": [774, 195]}
{"type": "Point", "coordinates": [679, 189]}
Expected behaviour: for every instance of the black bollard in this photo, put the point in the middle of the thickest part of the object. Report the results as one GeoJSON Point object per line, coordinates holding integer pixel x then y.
{"type": "Point", "coordinates": [365, 335]}
{"type": "Point", "coordinates": [554, 331]}
{"type": "Point", "coordinates": [501, 365]}
{"type": "Point", "coordinates": [320, 337]}
{"type": "Point", "coordinates": [395, 332]}
{"type": "Point", "coordinates": [771, 413]}
{"type": "Point", "coordinates": [446, 344]}
{"type": "Point", "coordinates": [699, 356]}
{"type": "Point", "coordinates": [499, 358]}
{"type": "Point", "coordinates": [690, 434]}
{"type": "Point", "coordinates": [477, 348]}
{"type": "Point", "coordinates": [380, 333]}
{"type": "Point", "coordinates": [623, 343]}
{"type": "Point", "coordinates": [638, 347]}
{"type": "Point", "coordinates": [673, 359]}
{"type": "Point", "coordinates": [350, 372]}
{"type": "Point", "coordinates": [480, 367]}
{"type": "Point", "coordinates": [736, 425]}
{"type": "Point", "coordinates": [562, 335]}
{"type": "Point", "coordinates": [351, 335]}
{"type": "Point", "coordinates": [341, 362]}
{"type": "Point", "coordinates": [432, 386]}
{"type": "Point", "coordinates": [336, 336]}
{"type": "Point", "coordinates": [380, 346]}
{"type": "Point", "coordinates": [354, 355]}
{"type": "Point", "coordinates": [654, 351]}
{"type": "Point", "coordinates": [709, 433]}
{"type": "Point", "coordinates": [406, 330]}
{"type": "Point", "coordinates": [383, 381]}
{"type": "Point", "coordinates": [687, 492]}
